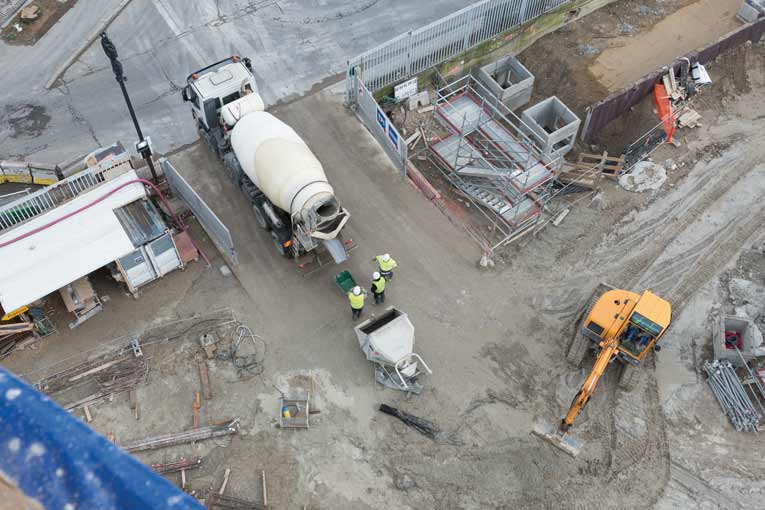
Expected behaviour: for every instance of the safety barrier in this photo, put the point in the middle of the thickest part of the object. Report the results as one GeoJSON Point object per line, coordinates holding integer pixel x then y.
{"type": "Point", "coordinates": [28, 173]}
{"type": "Point", "coordinates": [380, 126]}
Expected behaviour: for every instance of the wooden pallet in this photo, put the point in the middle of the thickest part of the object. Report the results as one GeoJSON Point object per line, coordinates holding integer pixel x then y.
{"type": "Point", "coordinates": [610, 166]}
{"type": "Point", "coordinates": [590, 169]}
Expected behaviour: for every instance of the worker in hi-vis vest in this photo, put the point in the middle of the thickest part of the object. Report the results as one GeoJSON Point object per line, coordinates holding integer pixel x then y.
{"type": "Point", "coordinates": [356, 297]}
{"type": "Point", "coordinates": [386, 265]}
{"type": "Point", "coordinates": [378, 287]}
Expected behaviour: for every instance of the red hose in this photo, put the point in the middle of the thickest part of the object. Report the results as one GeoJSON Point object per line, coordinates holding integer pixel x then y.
{"type": "Point", "coordinates": [176, 220]}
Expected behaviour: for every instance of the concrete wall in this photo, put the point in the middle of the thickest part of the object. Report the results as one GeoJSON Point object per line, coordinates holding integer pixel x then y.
{"type": "Point", "coordinates": [508, 80]}
{"type": "Point", "coordinates": [751, 339]}
{"type": "Point", "coordinates": [552, 125]}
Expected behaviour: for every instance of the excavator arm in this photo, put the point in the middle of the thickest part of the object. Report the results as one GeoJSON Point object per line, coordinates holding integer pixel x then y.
{"type": "Point", "coordinates": [608, 350]}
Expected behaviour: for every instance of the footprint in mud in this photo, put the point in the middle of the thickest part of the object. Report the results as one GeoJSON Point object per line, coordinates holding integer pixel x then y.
{"type": "Point", "coordinates": [25, 119]}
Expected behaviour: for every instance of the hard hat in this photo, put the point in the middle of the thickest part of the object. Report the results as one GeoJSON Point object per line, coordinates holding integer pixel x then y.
{"type": "Point", "coordinates": [356, 290]}
{"type": "Point", "coordinates": [386, 257]}
{"type": "Point", "coordinates": [375, 275]}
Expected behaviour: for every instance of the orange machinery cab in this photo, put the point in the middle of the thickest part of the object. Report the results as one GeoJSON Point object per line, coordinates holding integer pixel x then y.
{"type": "Point", "coordinates": [638, 321]}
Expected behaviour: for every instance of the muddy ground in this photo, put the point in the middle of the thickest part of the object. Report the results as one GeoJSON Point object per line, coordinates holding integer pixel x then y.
{"type": "Point", "coordinates": [496, 340]}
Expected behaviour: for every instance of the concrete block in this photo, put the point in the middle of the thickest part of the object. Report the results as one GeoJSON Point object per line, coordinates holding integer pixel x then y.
{"type": "Point", "coordinates": [508, 80]}
{"type": "Point", "coordinates": [751, 339]}
{"type": "Point", "coordinates": [552, 126]}
{"type": "Point", "coordinates": [420, 99]}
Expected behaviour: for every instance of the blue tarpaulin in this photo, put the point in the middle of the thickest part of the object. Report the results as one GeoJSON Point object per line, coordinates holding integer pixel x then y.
{"type": "Point", "coordinates": [59, 463]}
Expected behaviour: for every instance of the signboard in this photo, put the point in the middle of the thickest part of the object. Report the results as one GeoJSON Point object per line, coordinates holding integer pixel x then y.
{"type": "Point", "coordinates": [405, 90]}
{"type": "Point", "coordinates": [393, 135]}
{"type": "Point", "coordinates": [381, 119]}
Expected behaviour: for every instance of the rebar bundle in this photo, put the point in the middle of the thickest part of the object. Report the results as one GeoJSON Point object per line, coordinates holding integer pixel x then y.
{"type": "Point", "coordinates": [189, 436]}
{"type": "Point", "coordinates": [732, 396]}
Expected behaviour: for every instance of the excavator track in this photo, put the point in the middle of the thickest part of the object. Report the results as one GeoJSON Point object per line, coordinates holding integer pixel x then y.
{"type": "Point", "coordinates": [580, 344]}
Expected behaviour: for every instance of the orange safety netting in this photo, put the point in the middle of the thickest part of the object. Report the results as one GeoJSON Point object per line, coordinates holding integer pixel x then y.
{"type": "Point", "coordinates": [664, 107]}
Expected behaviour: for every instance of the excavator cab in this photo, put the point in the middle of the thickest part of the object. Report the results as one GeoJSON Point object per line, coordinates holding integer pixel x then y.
{"type": "Point", "coordinates": [637, 320]}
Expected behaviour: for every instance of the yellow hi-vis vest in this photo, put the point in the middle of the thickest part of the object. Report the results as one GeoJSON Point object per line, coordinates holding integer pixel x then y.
{"type": "Point", "coordinates": [386, 266]}
{"type": "Point", "coordinates": [378, 286]}
{"type": "Point", "coordinates": [356, 301]}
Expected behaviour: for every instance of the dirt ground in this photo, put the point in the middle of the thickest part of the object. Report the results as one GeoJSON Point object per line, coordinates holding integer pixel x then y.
{"type": "Point", "coordinates": [496, 340]}
{"type": "Point", "coordinates": [33, 31]}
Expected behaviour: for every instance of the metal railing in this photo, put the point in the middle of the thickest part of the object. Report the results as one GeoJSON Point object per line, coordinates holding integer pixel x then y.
{"type": "Point", "coordinates": [50, 197]}
{"type": "Point", "coordinates": [416, 51]}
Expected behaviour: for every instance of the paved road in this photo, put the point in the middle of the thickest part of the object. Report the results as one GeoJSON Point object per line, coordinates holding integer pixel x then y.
{"type": "Point", "coordinates": [295, 45]}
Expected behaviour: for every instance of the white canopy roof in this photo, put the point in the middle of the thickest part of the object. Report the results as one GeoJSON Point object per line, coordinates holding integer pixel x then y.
{"type": "Point", "coordinates": [47, 260]}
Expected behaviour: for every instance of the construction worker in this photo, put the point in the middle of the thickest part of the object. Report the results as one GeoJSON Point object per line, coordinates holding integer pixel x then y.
{"type": "Point", "coordinates": [378, 287]}
{"type": "Point", "coordinates": [386, 265]}
{"type": "Point", "coordinates": [356, 297]}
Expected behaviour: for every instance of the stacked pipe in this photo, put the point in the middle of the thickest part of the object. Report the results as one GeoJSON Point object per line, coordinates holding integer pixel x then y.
{"type": "Point", "coordinates": [732, 396]}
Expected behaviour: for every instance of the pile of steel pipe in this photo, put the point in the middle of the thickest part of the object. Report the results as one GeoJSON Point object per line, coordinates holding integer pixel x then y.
{"type": "Point", "coordinates": [189, 436]}
{"type": "Point", "coordinates": [732, 396]}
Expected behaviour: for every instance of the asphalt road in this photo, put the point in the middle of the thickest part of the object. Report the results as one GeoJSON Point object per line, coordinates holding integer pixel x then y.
{"type": "Point", "coordinates": [295, 45]}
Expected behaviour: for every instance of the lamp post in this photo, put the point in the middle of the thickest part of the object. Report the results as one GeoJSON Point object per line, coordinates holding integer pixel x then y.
{"type": "Point", "coordinates": [143, 145]}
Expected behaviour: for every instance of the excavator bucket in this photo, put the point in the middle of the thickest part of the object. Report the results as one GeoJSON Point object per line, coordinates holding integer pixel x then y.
{"type": "Point", "coordinates": [563, 441]}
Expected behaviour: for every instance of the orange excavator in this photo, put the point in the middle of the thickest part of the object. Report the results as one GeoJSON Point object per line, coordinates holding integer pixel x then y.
{"type": "Point", "coordinates": [624, 326]}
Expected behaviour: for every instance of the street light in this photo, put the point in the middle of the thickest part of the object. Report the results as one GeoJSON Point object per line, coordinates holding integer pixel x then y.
{"type": "Point", "coordinates": [142, 146]}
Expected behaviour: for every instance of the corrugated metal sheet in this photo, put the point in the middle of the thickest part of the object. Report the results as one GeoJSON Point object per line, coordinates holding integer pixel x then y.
{"type": "Point", "coordinates": [142, 222]}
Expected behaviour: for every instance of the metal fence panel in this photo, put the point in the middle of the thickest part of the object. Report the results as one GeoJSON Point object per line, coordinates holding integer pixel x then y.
{"type": "Point", "coordinates": [214, 227]}
{"type": "Point", "coordinates": [381, 127]}
{"type": "Point", "coordinates": [421, 49]}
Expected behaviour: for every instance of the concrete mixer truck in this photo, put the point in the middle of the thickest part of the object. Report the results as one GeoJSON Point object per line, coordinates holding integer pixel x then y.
{"type": "Point", "coordinates": [285, 183]}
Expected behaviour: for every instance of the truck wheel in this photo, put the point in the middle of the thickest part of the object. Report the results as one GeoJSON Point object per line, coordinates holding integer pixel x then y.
{"type": "Point", "coordinates": [578, 350]}
{"type": "Point", "coordinates": [628, 377]}
{"type": "Point", "coordinates": [260, 218]}
{"type": "Point", "coordinates": [279, 246]}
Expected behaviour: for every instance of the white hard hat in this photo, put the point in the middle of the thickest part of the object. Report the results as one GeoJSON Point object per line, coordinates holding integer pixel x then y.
{"type": "Point", "coordinates": [375, 275]}
{"type": "Point", "coordinates": [356, 290]}
{"type": "Point", "coordinates": [386, 257]}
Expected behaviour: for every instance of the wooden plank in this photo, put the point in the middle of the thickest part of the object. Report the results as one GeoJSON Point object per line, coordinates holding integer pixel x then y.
{"type": "Point", "coordinates": [195, 409]}
{"type": "Point", "coordinates": [96, 369]}
{"type": "Point", "coordinates": [225, 481]}
{"type": "Point", "coordinates": [204, 377]}
{"type": "Point", "coordinates": [134, 404]}
{"type": "Point", "coordinates": [265, 489]}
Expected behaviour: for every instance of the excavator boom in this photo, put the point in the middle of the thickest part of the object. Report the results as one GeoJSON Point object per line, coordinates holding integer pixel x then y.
{"type": "Point", "coordinates": [608, 350]}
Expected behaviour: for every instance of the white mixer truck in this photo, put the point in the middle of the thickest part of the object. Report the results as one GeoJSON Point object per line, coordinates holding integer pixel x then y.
{"type": "Point", "coordinates": [268, 160]}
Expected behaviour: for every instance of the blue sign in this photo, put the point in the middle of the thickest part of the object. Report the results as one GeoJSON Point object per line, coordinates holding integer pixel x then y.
{"type": "Point", "coordinates": [381, 119]}
{"type": "Point", "coordinates": [393, 135]}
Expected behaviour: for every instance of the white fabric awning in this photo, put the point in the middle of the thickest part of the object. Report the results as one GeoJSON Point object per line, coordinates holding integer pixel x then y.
{"type": "Point", "coordinates": [35, 266]}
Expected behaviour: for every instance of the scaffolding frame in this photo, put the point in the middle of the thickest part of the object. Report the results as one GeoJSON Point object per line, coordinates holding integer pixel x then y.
{"type": "Point", "coordinates": [488, 156]}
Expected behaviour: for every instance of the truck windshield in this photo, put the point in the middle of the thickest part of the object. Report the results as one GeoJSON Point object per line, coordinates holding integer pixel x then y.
{"type": "Point", "coordinates": [229, 98]}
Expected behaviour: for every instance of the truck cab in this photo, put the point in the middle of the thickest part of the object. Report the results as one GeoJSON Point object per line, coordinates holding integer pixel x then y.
{"type": "Point", "coordinates": [218, 92]}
